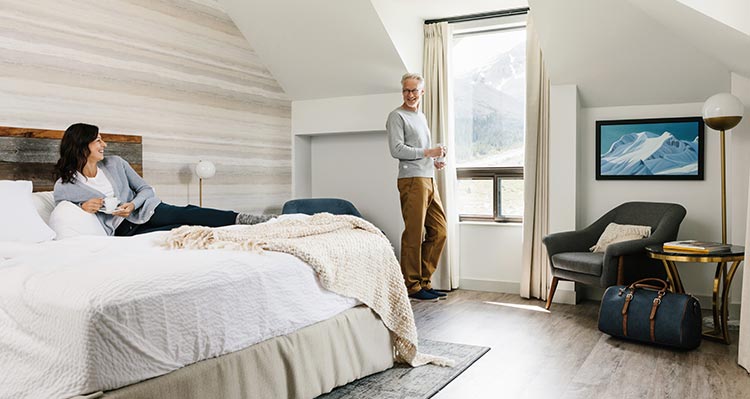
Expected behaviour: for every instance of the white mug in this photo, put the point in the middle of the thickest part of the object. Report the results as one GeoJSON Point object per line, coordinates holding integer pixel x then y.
{"type": "Point", "coordinates": [110, 203]}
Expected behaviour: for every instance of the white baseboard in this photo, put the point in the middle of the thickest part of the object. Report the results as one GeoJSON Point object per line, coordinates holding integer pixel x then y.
{"type": "Point", "coordinates": [567, 297]}
{"type": "Point", "coordinates": [505, 287]}
{"type": "Point", "coordinates": [563, 294]}
{"type": "Point", "coordinates": [706, 304]}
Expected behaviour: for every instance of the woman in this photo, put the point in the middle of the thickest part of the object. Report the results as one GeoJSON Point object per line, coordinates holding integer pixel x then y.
{"type": "Point", "coordinates": [86, 177]}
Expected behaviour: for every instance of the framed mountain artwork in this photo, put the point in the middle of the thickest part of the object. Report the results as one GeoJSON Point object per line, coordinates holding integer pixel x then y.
{"type": "Point", "coordinates": [650, 149]}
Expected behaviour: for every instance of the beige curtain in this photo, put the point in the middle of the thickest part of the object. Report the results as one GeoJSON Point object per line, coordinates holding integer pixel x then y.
{"type": "Point", "coordinates": [536, 270]}
{"type": "Point", "coordinates": [436, 105]}
{"type": "Point", "coordinates": [743, 357]}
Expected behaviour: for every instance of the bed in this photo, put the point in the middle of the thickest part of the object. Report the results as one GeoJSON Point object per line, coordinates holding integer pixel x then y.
{"type": "Point", "coordinates": [118, 317]}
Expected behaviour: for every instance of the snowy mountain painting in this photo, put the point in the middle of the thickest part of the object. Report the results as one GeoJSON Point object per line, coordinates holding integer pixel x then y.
{"type": "Point", "coordinates": [662, 149]}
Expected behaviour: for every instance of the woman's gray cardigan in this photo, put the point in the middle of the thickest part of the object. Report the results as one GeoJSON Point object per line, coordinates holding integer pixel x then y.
{"type": "Point", "coordinates": [128, 186]}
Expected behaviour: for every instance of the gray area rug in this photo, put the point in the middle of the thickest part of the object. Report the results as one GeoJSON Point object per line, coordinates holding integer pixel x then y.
{"type": "Point", "coordinates": [403, 382]}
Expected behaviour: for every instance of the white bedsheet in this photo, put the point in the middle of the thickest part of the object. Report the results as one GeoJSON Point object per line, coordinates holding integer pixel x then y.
{"type": "Point", "coordinates": [97, 313]}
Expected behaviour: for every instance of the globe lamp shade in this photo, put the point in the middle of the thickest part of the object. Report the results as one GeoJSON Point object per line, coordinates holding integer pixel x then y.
{"type": "Point", "coordinates": [205, 169]}
{"type": "Point", "coordinates": [722, 111]}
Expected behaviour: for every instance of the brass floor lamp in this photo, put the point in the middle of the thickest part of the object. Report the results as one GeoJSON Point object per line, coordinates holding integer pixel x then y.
{"type": "Point", "coordinates": [722, 112]}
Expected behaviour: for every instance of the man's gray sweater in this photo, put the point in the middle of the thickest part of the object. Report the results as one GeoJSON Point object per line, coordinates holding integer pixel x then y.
{"type": "Point", "coordinates": [408, 138]}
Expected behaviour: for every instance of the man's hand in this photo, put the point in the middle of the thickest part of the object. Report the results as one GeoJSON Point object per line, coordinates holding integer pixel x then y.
{"type": "Point", "coordinates": [438, 165]}
{"type": "Point", "coordinates": [435, 152]}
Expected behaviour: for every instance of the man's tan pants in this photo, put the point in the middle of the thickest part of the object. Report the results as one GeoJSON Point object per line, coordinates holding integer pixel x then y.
{"type": "Point", "coordinates": [424, 231]}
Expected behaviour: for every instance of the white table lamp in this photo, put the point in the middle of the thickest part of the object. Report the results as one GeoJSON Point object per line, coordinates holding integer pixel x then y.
{"type": "Point", "coordinates": [204, 170]}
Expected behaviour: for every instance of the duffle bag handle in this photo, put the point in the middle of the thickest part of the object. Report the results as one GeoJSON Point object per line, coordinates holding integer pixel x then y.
{"type": "Point", "coordinates": [661, 291]}
{"type": "Point", "coordinates": [662, 287]}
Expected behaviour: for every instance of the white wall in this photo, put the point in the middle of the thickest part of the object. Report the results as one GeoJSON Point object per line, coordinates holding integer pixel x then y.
{"type": "Point", "coordinates": [739, 167]}
{"type": "Point", "coordinates": [702, 199]}
{"type": "Point", "coordinates": [359, 168]}
{"type": "Point", "coordinates": [564, 107]}
{"type": "Point", "coordinates": [311, 118]}
{"type": "Point", "coordinates": [343, 114]}
{"type": "Point", "coordinates": [563, 157]}
{"type": "Point", "coordinates": [340, 150]}
{"type": "Point", "coordinates": [490, 256]}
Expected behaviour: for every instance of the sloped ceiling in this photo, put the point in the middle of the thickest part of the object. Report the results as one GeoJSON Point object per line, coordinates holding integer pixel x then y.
{"type": "Point", "coordinates": [727, 42]}
{"type": "Point", "coordinates": [320, 49]}
{"type": "Point", "coordinates": [339, 48]}
{"type": "Point", "coordinates": [734, 13]}
{"type": "Point", "coordinates": [619, 55]}
{"type": "Point", "coordinates": [618, 52]}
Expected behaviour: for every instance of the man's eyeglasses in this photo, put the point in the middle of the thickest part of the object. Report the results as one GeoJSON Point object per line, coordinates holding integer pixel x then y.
{"type": "Point", "coordinates": [412, 91]}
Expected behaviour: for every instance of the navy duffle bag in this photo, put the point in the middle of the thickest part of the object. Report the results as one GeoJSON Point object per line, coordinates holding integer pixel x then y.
{"type": "Point", "coordinates": [649, 313]}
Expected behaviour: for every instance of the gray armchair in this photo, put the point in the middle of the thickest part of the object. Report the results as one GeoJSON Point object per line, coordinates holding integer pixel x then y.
{"type": "Point", "coordinates": [621, 262]}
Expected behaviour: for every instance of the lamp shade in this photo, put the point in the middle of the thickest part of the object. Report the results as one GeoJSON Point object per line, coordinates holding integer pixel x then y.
{"type": "Point", "coordinates": [205, 169]}
{"type": "Point", "coordinates": [722, 111]}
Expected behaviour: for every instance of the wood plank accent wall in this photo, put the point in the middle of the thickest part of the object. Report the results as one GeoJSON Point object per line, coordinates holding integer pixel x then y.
{"type": "Point", "coordinates": [31, 154]}
{"type": "Point", "coordinates": [177, 72]}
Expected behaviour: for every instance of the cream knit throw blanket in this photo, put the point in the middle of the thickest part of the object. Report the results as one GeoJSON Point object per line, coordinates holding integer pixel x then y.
{"type": "Point", "coordinates": [350, 256]}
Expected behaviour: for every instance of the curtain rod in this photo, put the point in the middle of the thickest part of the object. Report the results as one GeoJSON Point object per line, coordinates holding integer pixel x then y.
{"type": "Point", "coordinates": [476, 17]}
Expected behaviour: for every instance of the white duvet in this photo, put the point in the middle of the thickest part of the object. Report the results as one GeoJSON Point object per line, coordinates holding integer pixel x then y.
{"type": "Point", "coordinates": [89, 314]}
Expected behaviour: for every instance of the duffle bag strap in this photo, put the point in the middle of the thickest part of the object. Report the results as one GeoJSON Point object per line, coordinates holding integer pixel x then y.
{"type": "Point", "coordinates": [652, 316]}
{"type": "Point", "coordinates": [662, 289]}
{"type": "Point", "coordinates": [628, 298]}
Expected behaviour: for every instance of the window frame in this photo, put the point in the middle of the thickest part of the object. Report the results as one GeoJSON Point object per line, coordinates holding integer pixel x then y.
{"type": "Point", "coordinates": [497, 174]}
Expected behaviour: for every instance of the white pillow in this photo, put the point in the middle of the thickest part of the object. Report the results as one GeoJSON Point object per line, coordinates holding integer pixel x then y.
{"type": "Point", "coordinates": [20, 220]}
{"type": "Point", "coordinates": [618, 233]}
{"type": "Point", "coordinates": [44, 202]}
{"type": "Point", "coordinates": [69, 220]}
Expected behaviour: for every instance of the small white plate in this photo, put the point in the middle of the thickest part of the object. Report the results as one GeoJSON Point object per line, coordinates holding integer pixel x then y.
{"type": "Point", "coordinates": [102, 210]}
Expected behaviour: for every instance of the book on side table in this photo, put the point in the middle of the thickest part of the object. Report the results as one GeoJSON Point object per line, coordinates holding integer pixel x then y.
{"type": "Point", "coordinates": [696, 246]}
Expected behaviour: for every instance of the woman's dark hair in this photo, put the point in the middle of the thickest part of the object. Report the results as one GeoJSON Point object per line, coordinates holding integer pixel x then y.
{"type": "Point", "coordinates": [74, 150]}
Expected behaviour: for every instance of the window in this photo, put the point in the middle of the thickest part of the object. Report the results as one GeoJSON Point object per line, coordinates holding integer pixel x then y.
{"type": "Point", "coordinates": [489, 96]}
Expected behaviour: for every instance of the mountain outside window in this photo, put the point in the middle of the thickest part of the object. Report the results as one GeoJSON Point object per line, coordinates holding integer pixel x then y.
{"type": "Point", "coordinates": [489, 96]}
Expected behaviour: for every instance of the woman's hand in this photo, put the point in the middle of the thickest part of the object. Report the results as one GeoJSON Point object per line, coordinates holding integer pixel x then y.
{"type": "Point", "coordinates": [93, 205]}
{"type": "Point", "coordinates": [124, 210]}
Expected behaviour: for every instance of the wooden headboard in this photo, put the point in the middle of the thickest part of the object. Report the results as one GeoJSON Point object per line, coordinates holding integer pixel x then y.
{"type": "Point", "coordinates": [31, 154]}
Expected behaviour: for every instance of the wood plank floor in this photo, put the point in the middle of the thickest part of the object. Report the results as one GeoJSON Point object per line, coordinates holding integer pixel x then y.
{"type": "Point", "coordinates": [562, 354]}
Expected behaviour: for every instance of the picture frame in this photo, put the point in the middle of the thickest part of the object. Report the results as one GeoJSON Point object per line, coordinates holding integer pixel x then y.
{"type": "Point", "coordinates": [650, 149]}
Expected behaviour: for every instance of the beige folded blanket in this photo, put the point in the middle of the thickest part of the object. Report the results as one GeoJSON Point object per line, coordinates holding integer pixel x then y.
{"type": "Point", "coordinates": [350, 256]}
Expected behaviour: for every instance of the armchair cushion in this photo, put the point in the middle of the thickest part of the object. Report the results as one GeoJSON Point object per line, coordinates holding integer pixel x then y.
{"type": "Point", "coordinates": [580, 262]}
{"type": "Point", "coordinates": [620, 232]}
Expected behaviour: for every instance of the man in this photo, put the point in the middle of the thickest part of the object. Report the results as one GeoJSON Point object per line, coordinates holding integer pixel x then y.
{"type": "Point", "coordinates": [424, 219]}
